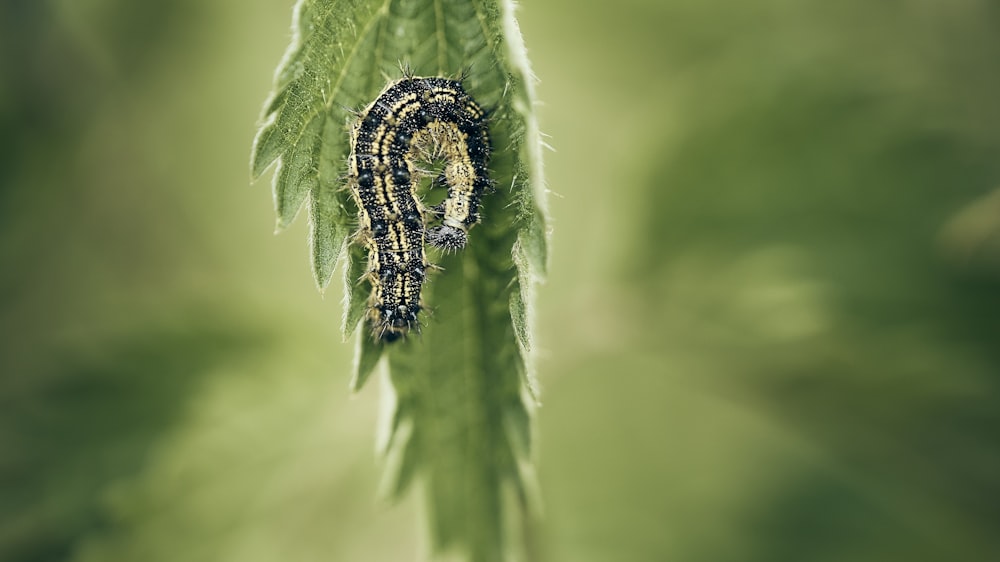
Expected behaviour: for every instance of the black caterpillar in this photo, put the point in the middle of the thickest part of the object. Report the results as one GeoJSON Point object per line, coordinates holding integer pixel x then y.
{"type": "Point", "coordinates": [414, 120]}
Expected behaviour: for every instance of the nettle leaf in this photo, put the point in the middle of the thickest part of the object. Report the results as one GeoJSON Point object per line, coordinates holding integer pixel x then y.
{"type": "Point", "coordinates": [463, 386]}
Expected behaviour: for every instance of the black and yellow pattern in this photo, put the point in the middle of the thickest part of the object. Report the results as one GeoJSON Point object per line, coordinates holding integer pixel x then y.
{"type": "Point", "coordinates": [414, 120]}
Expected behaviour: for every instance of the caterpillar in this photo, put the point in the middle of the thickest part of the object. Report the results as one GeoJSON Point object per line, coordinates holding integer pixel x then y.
{"type": "Point", "coordinates": [414, 120]}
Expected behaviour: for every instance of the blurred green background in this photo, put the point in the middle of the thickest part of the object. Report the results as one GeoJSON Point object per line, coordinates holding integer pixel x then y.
{"type": "Point", "coordinates": [771, 331]}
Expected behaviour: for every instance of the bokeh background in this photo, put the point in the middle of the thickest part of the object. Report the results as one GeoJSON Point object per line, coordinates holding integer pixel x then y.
{"type": "Point", "coordinates": [771, 331]}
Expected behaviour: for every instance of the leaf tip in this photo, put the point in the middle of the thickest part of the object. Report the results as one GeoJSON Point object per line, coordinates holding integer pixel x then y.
{"type": "Point", "coordinates": [282, 221]}
{"type": "Point", "coordinates": [367, 354]}
{"type": "Point", "coordinates": [263, 153]}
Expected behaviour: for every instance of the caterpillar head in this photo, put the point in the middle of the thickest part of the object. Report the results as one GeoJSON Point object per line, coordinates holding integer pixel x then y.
{"type": "Point", "coordinates": [448, 238]}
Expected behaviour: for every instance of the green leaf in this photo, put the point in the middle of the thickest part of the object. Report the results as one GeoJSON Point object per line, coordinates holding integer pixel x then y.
{"type": "Point", "coordinates": [463, 387]}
